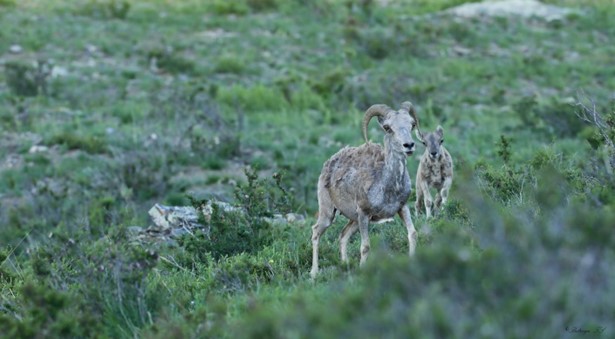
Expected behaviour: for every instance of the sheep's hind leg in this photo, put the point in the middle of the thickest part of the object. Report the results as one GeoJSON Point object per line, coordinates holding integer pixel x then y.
{"type": "Point", "coordinates": [404, 214]}
{"type": "Point", "coordinates": [363, 223]}
{"type": "Point", "coordinates": [351, 228]}
{"type": "Point", "coordinates": [326, 213]}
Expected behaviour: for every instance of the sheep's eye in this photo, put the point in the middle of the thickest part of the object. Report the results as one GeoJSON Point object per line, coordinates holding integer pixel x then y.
{"type": "Point", "coordinates": [387, 128]}
{"type": "Point", "coordinates": [441, 141]}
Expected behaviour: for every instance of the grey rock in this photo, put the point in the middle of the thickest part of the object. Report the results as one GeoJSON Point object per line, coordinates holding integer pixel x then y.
{"type": "Point", "coordinates": [15, 49]}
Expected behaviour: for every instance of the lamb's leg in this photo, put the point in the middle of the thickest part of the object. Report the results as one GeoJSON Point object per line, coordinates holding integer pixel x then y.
{"type": "Point", "coordinates": [326, 213]}
{"type": "Point", "coordinates": [363, 223]}
{"type": "Point", "coordinates": [445, 188]}
{"type": "Point", "coordinates": [427, 200]}
{"type": "Point", "coordinates": [437, 203]}
{"type": "Point", "coordinates": [419, 198]}
{"type": "Point", "coordinates": [351, 228]}
{"type": "Point", "coordinates": [404, 214]}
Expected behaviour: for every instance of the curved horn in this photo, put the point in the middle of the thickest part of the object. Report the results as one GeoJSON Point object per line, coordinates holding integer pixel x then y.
{"type": "Point", "coordinates": [419, 135]}
{"type": "Point", "coordinates": [376, 110]}
{"type": "Point", "coordinates": [408, 107]}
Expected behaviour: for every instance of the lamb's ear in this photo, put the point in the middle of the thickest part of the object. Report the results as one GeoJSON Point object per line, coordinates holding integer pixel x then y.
{"type": "Point", "coordinates": [440, 131]}
{"type": "Point", "coordinates": [419, 136]}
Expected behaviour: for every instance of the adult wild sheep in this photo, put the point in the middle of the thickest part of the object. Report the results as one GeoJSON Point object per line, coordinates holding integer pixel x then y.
{"type": "Point", "coordinates": [435, 170]}
{"type": "Point", "coordinates": [368, 183]}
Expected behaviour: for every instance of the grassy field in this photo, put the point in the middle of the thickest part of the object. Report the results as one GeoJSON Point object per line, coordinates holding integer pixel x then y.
{"type": "Point", "coordinates": [107, 107]}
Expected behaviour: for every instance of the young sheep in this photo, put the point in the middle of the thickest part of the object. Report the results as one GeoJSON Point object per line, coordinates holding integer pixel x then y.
{"type": "Point", "coordinates": [368, 183]}
{"type": "Point", "coordinates": [435, 170]}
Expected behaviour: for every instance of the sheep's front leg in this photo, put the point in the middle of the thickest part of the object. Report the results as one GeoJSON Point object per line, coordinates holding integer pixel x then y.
{"type": "Point", "coordinates": [363, 223]}
{"type": "Point", "coordinates": [426, 199]}
{"type": "Point", "coordinates": [404, 214]}
{"type": "Point", "coordinates": [351, 228]}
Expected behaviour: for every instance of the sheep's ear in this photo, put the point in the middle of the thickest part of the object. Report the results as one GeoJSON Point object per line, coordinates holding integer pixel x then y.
{"type": "Point", "coordinates": [440, 131]}
{"type": "Point", "coordinates": [381, 120]}
{"type": "Point", "coordinates": [419, 136]}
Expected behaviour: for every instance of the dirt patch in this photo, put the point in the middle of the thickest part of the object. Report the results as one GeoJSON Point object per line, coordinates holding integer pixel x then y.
{"type": "Point", "coordinates": [214, 34]}
{"type": "Point", "coordinates": [507, 8]}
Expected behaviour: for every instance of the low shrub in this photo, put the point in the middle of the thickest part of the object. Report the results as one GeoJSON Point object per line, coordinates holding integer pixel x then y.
{"type": "Point", "coordinates": [253, 98]}
{"type": "Point", "coordinates": [248, 231]}
{"type": "Point", "coordinates": [171, 61]}
{"type": "Point", "coordinates": [241, 7]}
{"type": "Point", "coordinates": [505, 183]}
{"type": "Point", "coordinates": [230, 64]}
{"type": "Point", "coordinates": [91, 144]}
{"type": "Point", "coordinates": [26, 80]}
{"type": "Point", "coordinates": [105, 9]}
{"type": "Point", "coordinates": [550, 117]}
{"type": "Point", "coordinates": [512, 265]}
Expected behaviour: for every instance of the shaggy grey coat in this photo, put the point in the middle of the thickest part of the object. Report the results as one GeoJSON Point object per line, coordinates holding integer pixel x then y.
{"type": "Point", "coordinates": [368, 183]}
{"type": "Point", "coordinates": [435, 171]}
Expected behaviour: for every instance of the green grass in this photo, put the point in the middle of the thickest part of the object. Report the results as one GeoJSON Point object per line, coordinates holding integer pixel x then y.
{"type": "Point", "coordinates": [159, 101]}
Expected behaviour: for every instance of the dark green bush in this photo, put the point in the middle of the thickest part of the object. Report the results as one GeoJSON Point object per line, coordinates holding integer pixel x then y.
{"type": "Point", "coordinates": [80, 290]}
{"type": "Point", "coordinates": [171, 61]}
{"type": "Point", "coordinates": [6, 276]}
{"type": "Point", "coordinates": [437, 5]}
{"type": "Point", "coordinates": [512, 266]}
{"type": "Point", "coordinates": [105, 9]}
{"type": "Point", "coordinates": [144, 174]}
{"type": "Point", "coordinates": [504, 183]}
{"type": "Point", "coordinates": [213, 162]}
{"type": "Point", "coordinates": [378, 44]}
{"type": "Point", "coordinates": [331, 82]}
{"type": "Point", "coordinates": [230, 64]}
{"type": "Point", "coordinates": [45, 310]}
{"type": "Point", "coordinates": [257, 98]}
{"type": "Point", "coordinates": [221, 7]}
{"type": "Point", "coordinates": [241, 7]}
{"type": "Point", "coordinates": [504, 149]}
{"type": "Point", "coordinates": [91, 144]}
{"type": "Point", "coordinates": [264, 197]}
{"type": "Point", "coordinates": [101, 213]}
{"type": "Point", "coordinates": [262, 5]}
{"type": "Point", "coordinates": [551, 117]}
{"type": "Point", "coordinates": [26, 80]}
{"type": "Point", "coordinates": [231, 233]}
{"type": "Point", "coordinates": [240, 273]}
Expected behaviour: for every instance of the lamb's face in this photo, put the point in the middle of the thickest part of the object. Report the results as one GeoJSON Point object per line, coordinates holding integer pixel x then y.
{"type": "Point", "coordinates": [399, 125]}
{"type": "Point", "coordinates": [433, 142]}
